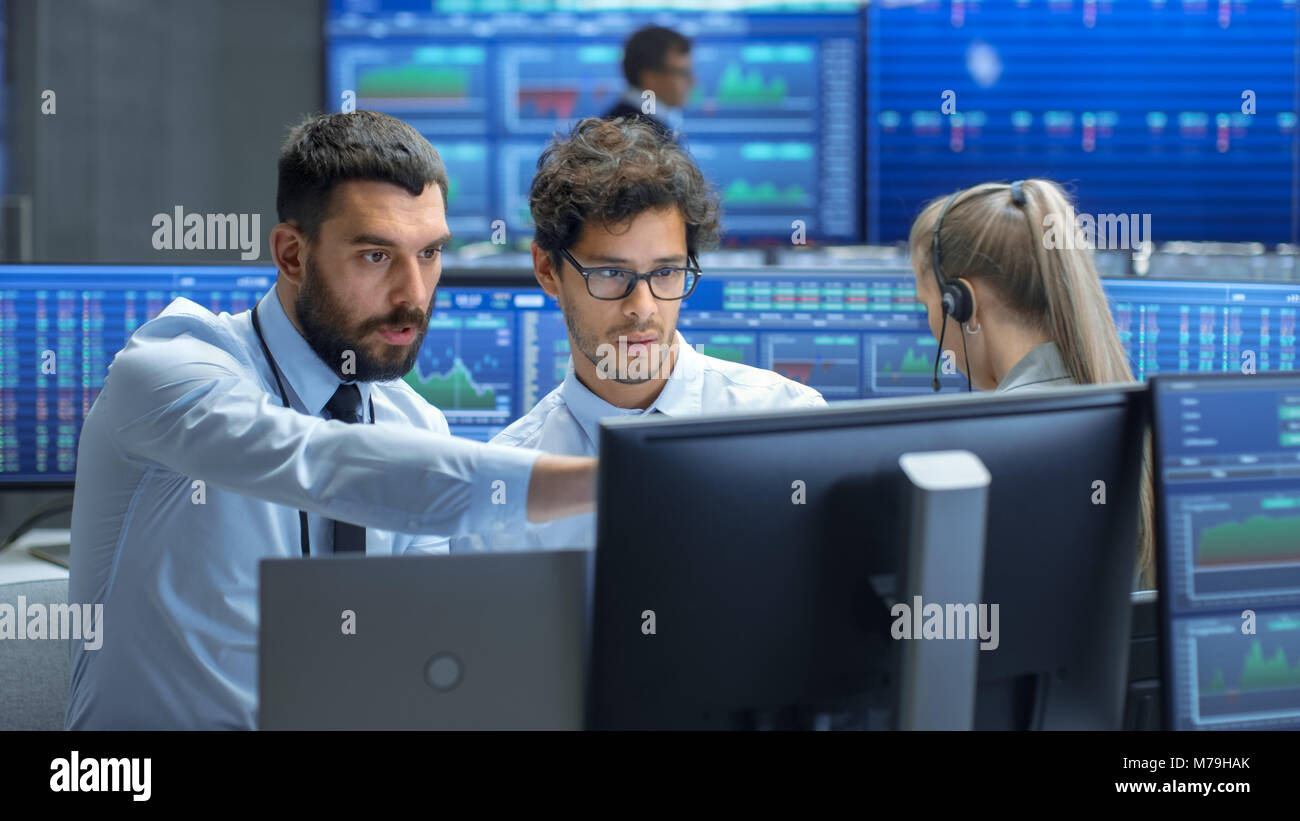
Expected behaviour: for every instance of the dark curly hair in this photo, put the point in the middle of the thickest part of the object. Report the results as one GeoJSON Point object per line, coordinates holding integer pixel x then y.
{"type": "Point", "coordinates": [607, 172]}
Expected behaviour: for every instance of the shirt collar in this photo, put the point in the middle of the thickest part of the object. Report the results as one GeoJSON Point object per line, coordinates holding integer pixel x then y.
{"type": "Point", "coordinates": [667, 115]}
{"type": "Point", "coordinates": [682, 394]}
{"type": "Point", "coordinates": [632, 96]}
{"type": "Point", "coordinates": [307, 377]}
{"type": "Point", "coordinates": [1042, 364]}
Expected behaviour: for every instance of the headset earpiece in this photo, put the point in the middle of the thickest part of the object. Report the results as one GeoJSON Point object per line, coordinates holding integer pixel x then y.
{"type": "Point", "coordinates": [957, 301]}
{"type": "Point", "coordinates": [954, 297]}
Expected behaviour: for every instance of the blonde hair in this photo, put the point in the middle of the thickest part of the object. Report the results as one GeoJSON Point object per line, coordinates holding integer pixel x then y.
{"type": "Point", "coordinates": [1053, 289]}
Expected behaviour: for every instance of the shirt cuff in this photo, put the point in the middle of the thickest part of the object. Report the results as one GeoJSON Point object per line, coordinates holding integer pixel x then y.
{"type": "Point", "coordinates": [499, 502]}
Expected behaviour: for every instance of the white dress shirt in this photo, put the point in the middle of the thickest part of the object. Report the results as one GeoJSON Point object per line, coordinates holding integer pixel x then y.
{"type": "Point", "coordinates": [567, 421]}
{"type": "Point", "coordinates": [192, 399]}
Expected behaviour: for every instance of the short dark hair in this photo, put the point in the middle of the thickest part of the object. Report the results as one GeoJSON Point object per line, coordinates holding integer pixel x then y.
{"type": "Point", "coordinates": [646, 49]}
{"type": "Point", "coordinates": [607, 172]}
{"type": "Point", "coordinates": [327, 149]}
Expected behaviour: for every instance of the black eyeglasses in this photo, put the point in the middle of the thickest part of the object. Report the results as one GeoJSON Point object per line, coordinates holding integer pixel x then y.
{"type": "Point", "coordinates": [618, 283]}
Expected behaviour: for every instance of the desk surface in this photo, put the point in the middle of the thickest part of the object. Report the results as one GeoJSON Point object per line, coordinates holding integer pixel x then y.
{"type": "Point", "coordinates": [17, 565]}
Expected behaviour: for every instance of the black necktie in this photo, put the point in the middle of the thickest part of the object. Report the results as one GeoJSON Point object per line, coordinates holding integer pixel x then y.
{"type": "Point", "coordinates": [345, 406]}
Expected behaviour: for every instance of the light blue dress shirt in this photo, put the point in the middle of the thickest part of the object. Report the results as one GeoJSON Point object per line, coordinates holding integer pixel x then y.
{"type": "Point", "coordinates": [567, 421]}
{"type": "Point", "coordinates": [190, 399]}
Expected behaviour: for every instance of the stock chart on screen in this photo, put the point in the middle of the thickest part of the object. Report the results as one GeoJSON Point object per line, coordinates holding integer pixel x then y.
{"type": "Point", "coordinates": [1169, 326]}
{"type": "Point", "coordinates": [1181, 110]}
{"type": "Point", "coordinates": [774, 117]}
{"type": "Point", "coordinates": [61, 325]}
{"type": "Point", "coordinates": [496, 346]}
{"type": "Point", "coordinates": [1228, 452]}
{"type": "Point", "coordinates": [847, 334]}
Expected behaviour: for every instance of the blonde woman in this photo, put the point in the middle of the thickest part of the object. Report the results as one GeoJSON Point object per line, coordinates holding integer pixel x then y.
{"type": "Point", "coordinates": [1023, 312]}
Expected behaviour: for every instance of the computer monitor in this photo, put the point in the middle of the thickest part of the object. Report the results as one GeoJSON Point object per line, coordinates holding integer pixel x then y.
{"type": "Point", "coordinates": [774, 118]}
{"type": "Point", "coordinates": [764, 545]}
{"type": "Point", "coordinates": [1227, 448]}
{"type": "Point", "coordinates": [497, 344]}
{"type": "Point", "coordinates": [1205, 326]}
{"type": "Point", "coordinates": [858, 333]}
{"type": "Point", "coordinates": [1111, 98]}
{"type": "Point", "coordinates": [61, 326]}
{"type": "Point", "coordinates": [851, 334]}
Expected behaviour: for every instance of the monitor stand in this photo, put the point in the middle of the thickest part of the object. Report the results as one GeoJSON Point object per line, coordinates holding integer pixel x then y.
{"type": "Point", "coordinates": [947, 492]}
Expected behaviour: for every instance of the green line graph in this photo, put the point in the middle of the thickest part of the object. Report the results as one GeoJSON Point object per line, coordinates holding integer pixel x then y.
{"type": "Point", "coordinates": [1259, 673]}
{"type": "Point", "coordinates": [742, 192]}
{"type": "Point", "coordinates": [913, 362]}
{"type": "Point", "coordinates": [1257, 539]}
{"type": "Point", "coordinates": [413, 81]}
{"type": "Point", "coordinates": [724, 352]}
{"type": "Point", "coordinates": [454, 390]}
{"type": "Point", "coordinates": [736, 86]}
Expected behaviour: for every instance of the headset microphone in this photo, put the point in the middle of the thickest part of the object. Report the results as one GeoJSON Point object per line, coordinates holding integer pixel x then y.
{"type": "Point", "coordinates": [934, 383]}
{"type": "Point", "coordinates": [954, 297]}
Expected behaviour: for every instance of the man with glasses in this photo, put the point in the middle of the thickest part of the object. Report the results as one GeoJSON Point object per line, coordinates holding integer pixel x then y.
{"type": "Point", "coordinates": [655, 60]}
{"type": "Point", "coordinates": [622, 214]}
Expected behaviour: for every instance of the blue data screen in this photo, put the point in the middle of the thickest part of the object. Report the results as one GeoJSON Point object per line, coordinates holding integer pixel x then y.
{"type": "Point", "coordinates": [490, 354]}
{"type": "Point", "coordinates": [1229, 458]}
{"type": "Point", "coordinates": [1204, 327]}
{"type": "Point", "coordinates": [61, 326]}
{"type": "Point", "coordinates": [774, 117]}
{"type": "Point", "coordinates": [848, 335]}
{"type": "Point", "coordinates": [493, 351]}
{"type": "Point", "coordinates": [1183, 110]}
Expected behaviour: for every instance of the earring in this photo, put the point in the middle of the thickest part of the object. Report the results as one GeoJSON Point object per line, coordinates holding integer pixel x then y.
{"type": "Point", "coordinates": [977, 328]}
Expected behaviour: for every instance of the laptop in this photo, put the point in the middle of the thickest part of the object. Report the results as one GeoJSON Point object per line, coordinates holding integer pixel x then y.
{"type": "Point", "coordinates": [445, 642]}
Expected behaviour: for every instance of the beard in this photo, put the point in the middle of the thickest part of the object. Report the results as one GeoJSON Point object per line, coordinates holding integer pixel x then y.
{"type": "Point", "coordinates": [324, 324]}
{"type": "Point", "coordinates": [588, 347]}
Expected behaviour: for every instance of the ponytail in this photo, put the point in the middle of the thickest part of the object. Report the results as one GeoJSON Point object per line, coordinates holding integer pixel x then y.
{"type": "Point", "coordinates": [1051, 286]}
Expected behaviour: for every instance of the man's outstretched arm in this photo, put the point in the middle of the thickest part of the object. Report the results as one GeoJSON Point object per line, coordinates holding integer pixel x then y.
{"type": "Point", "coordinates": [561, 486]}
{"type": "Point", "coordinates": [180, 398]}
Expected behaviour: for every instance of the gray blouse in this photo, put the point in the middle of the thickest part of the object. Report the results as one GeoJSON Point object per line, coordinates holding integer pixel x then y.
{"type": "Point", "coordinates": [1040, 368]}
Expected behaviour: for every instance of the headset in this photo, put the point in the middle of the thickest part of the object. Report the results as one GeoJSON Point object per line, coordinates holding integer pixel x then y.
{"type": "Point", "coordinates": [955, 297]}
{"type": "Point", "coordinates": [303, 537]}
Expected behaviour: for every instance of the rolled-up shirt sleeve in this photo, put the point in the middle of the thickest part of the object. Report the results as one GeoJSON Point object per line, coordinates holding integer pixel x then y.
{"type": "Point", "coordinates": [195, 407]}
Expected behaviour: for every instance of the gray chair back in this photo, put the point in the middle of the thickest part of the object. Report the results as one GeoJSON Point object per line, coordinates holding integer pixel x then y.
{"type": "Point", "coordinates": [33, 672]}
